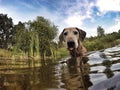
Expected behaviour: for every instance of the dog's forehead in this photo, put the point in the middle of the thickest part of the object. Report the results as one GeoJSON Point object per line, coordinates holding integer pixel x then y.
{"type": "Point", "coordinates": [70, 29]}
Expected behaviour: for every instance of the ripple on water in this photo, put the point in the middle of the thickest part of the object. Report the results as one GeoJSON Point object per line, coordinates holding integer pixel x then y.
{"type": "Point", "coordinates": [96, 58]}
{"type": "Point", "coordinates": [113, 49]}
{"type": "Point", "coordinates": [98, 68]}
{"type": "Point", "coordinates": [97, 77]}
{"type": "Point", "coordinates": [111, 84]}
{"type": "Point", "coordinates": [114, 59]}
{"type": "Point", "coordinates": [115, 66]}
{"type": "Point", "coordinates": [103, 80]}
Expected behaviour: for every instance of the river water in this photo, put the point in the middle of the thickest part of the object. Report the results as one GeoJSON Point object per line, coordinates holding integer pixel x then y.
{"type": "Point", "coordinates": [101, 71]}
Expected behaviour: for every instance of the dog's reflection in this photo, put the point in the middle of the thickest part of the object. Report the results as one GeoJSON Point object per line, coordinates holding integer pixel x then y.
{"type": "Point", "coordinates": [75, 80]}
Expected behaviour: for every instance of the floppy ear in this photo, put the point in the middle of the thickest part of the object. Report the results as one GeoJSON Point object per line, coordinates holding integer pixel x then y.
{"type": "Point", "coordinates": [82, 34]}
{"type": "Point", "coordinates": [61, 38]}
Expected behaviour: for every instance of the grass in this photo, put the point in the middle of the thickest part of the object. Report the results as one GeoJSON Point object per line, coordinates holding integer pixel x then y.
{"type": "Point", "coordinates": [62, 52]}
{"type": "Point", "coordinates": [100, 44]}
{"type": "Point", "coordinates": [5, 53]}
{"type": "Point", "coordinates": [59, 53]}
{"type": "Point", "coordinates": [12, 60]}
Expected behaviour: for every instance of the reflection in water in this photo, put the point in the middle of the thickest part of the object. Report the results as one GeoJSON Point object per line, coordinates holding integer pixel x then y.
{"type": "Point", "coordinates": [75, 80]}
{"type": "Point", "coordinates": [108, 70]}
{"type": "Point", "coordinates": [111, 71]}
{"type": "Point", "coordinates": [43, 78]}
{"type": "Point", "coordinates": [47, 77]}
{"type": "Point", "coordinates": [14, 82]}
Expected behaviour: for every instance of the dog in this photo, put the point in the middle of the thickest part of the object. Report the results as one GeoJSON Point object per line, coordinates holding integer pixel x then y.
{"type": "Point", "coordinates": [73, 37]}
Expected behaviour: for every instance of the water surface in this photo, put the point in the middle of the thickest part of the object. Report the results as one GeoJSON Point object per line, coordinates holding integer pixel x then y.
{"type": "Point", "coordinates": [101, 72]}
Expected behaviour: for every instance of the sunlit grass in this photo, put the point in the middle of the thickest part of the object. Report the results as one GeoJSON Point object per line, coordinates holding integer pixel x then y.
{"type": "Point", "coordinates": [5, 53]}
{"type": "Point", "coordinates": [62, 52]}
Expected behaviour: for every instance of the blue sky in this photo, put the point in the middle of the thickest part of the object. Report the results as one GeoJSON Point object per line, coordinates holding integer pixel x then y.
{"type": "Point", "coordinates": [84, 14]}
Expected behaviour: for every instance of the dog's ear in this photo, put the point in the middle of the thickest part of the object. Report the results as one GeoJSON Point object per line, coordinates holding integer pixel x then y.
{"type": "Point", "coordinates": [61, 38]}
{"type": "Point", "coordinates": [82, 34]}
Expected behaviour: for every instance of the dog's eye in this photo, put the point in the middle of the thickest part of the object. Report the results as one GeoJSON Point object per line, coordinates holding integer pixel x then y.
{"type": "Point", "coordinates": [75, 32]}
{"type": "Point", "coordinates": [65, 33]}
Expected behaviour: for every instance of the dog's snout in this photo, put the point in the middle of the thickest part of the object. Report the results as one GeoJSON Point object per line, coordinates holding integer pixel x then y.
{"type": "Point", "coordinates": [71, 44]}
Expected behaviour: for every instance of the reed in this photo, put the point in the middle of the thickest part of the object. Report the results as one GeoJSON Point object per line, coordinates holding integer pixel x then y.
{"type": "Point", "coordinates": [37, 46]}
{"type": "Point", "coordinates": [31, 45]}
{"type": "Point", "coordinates": [52, 53]}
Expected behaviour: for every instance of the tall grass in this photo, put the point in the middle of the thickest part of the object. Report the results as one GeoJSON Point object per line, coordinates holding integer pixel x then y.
{"type": "Point", "coordinates": [34, 50]}
{"type": "Point", "coordinates": [37, 47]}
{"type": "Point", "coordinates": [5, 53]}
{"type": "Point", "coordinates": [31, 50]}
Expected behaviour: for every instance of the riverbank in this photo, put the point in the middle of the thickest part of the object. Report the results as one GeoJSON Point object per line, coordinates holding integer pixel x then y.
{"type": "Point", "coordinates": [10, 60]}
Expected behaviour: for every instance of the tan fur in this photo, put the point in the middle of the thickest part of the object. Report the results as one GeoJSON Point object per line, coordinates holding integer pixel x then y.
{"type": "Point", "coordinates": [80, 50]}
{"type": "Point", "coordinates": [82, 34]}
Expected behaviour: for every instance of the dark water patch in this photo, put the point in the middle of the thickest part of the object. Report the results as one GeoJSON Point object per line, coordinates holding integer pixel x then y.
{"type": "Point", "coordinates": [76, 81]}
{"type": "Point", "coordinates": [43, 78]}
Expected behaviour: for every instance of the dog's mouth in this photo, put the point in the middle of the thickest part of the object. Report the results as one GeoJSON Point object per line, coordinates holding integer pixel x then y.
{"type": "Point", "coordinates": [71, 45]}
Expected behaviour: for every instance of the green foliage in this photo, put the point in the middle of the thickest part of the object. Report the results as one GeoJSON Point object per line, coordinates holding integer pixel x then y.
{"type": "Point", "coordinates": [46, 33]}
{"type": "Point", "coordinates": [21, 39]}
{"type": "Point", "coordinates": [6, 31]}
{"type": "Point", "coordinates": [44, 28]}
{"type": "Point", "coordinates": [62, 52]}
{"type": "Point", "coordinates": [106, 41]}
{"type": "Point", "coordinates": [35, 37]}
{"type": "Point", "coordinates": [100, 31]}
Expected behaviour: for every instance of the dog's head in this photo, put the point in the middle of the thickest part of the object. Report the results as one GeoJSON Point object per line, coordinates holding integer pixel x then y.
{"type": "Point", "coordinates": [72, 37]}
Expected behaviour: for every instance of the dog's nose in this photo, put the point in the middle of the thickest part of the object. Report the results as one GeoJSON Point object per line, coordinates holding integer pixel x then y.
{"type": "Point", "coordinates": [71, 44]}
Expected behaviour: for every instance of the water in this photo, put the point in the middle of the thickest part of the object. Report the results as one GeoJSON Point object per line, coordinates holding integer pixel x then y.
{"type": "Point", "coordinates": [101, 72]}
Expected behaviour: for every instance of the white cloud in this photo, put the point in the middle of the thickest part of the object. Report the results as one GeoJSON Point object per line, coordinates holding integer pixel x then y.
{"type": "Point", "coordinates": [110, 29]}
{"type": "Point", "coordinates": [117, 19]}
{"type": "Point", "coordinates": [90, 31]}
{"type": "Point", "coordinates": [15, 14]}
{"type": "Point", "coordinates": [74, 20]}
{"type": "Point", "coordinates": [113, 28]}
{"type": "Point", "coordinates": [76, 12]}
{"type": "Point", "coordinates": [108, 5]}
{"type": "Point", "coordinates": [18, 15]}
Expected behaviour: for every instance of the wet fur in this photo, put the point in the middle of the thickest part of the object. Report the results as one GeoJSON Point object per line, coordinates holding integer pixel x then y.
{"type": "Point", "coordinates": [80, 51]}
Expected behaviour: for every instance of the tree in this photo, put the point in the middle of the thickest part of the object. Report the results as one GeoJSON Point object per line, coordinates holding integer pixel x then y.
{"type": "Point", "coordinates": [119, 31]}
{"type": "Point", "coordinates": [21, 37]}
{"type": "Point", "coordinates": [100, 31]}
{"type": "Point", "coordinates": [6, 31]}
{"type": "Point", "coordinates": [35, 36]}
{"type": "Point", "coordinates": [46, 33]}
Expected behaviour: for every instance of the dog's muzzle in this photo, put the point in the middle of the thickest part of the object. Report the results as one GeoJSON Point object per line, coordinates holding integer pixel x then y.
{"type": "Point", "coordinates": [71, 45]}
